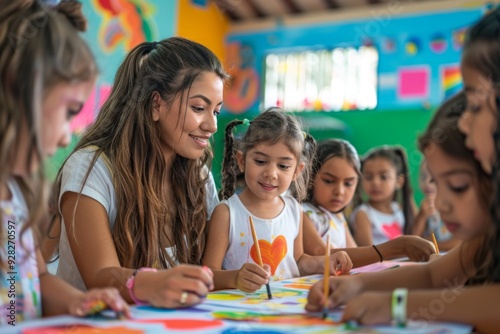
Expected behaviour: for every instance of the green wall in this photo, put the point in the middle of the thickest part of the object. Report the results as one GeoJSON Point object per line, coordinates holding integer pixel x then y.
{"type": "Point", "coordinates": [364, 129]}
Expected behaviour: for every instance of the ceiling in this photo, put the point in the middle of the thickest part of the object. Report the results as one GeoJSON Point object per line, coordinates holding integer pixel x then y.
{"type": "Point", "coordinates": [239, 11]}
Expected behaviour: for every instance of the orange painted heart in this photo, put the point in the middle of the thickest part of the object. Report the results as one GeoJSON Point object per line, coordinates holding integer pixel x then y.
{"type": "Point", "coordinates": [272, 254]}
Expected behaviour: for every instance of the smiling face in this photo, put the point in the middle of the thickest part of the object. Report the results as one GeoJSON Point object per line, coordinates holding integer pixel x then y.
{"type": "Point", "coordinates": [380, 179]}
{"type": "Point", "coordinates": [458, 195]}
{"type": "Point", "coordinates": [269, 170]}
{"type": "Point", "coordinates": [479, 121]}
{"type": "Point", "coordinates": [186, 129]}
{"type": "Point", "coordinates": [335, 184]}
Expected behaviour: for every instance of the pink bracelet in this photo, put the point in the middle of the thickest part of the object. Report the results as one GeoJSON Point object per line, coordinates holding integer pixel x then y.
{"type": "Point", "coordinates": [130, 285]}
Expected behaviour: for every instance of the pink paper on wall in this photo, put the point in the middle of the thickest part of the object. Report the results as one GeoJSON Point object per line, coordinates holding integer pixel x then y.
{"type": "Point", "coordinates": [104, 91]}
{"type": "Point", "coordinates": [90, 109]}
{"type": "Point", "coordinates": [86, 115]}
{"type": "Point", "coordinates": [413, 82]}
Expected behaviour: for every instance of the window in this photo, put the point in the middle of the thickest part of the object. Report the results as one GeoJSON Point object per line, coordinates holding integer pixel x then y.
{"type": "Point", "coordinates": [329, 80]}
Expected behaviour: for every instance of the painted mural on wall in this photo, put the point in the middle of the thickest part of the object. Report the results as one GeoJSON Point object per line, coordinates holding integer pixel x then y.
{"type": "Point", "coordinates": [418, 53]}
{"type": "Point", "coordinates": [114, 28]}
{"type": "Point", "coordinates": [124, 21]}
{"type": "Point", "coordinates": [243, 89]}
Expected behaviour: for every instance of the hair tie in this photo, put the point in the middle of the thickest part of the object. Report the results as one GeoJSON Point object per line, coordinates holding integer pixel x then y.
{"type": "Point", "coordinates": [304, 134]}
{"type": "Point", "coordinates": [246, 122]}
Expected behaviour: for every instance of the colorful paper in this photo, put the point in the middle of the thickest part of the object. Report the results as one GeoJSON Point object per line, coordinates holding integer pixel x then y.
{"type": "Point", "coordinates": [451, 80]}
{"type": "Point", "coordinates": [413, 82]}
{"type": "Point", "coordinates": [227, 312]}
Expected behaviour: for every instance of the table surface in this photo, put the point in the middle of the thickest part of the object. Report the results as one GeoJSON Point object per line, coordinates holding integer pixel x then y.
{"type": "Point", "coordinates": [231, 311]}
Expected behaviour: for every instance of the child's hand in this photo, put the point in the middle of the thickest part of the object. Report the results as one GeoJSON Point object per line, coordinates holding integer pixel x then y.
{"type": "Point", "coordinates": [96, 300]}
{"type": "Point", "coordinates": [340, 263]}
{"type": "Point", "coordinates": [251, 277]}
{"type": "Point", "coordinates": [341, 290]}
{"type": "Point", "coordinates": [415, 247]}
{"type": "Point", "coordinates": [427, 206]}
{"type": "Point", "coordinates": [369, 308]}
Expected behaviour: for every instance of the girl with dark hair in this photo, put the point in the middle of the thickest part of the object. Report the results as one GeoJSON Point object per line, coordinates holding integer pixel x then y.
{"type": "Point", "coordinates": [435, 291]}
{"type": "Point", "coordinates": [273, 154]}
{"type": "Point", "coordinates": [480, 67]}
{"type": "Point", "coordinates": [334, 184]}
{"type": "Point", "coordinates": [388, 212]}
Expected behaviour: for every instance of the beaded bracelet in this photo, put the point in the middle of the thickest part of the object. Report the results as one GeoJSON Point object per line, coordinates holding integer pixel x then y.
{"type": "Point", "coordinates": [378, 252]}
{"type": "Point", "coordinates": [130, 285]}
{"type": "Point", "coordinates": [399, 305]}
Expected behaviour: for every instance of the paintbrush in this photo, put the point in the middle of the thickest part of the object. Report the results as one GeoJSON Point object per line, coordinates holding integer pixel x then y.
{"type": "Point", "coordinates": [259, 256]}
{"type": "Point", "coordinates": [435, 243]}
{"type": "Point", "coordinates": [326, 276]}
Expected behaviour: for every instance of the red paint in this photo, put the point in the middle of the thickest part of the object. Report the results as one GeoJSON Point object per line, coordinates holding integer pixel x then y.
{"type": "Point", "coordinates": [185, 324]}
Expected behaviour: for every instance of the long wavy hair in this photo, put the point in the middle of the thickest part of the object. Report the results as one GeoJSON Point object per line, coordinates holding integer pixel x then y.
{"type": "Point", "coordinates": [126, 134]}
{"type": "Point", "coordinates": [482, 52]}
{"type": "Point", "coordinates": [40, 48]}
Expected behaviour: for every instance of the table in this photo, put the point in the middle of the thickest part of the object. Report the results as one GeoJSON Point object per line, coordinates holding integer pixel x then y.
{"type": "Point", "coordinates": [228, 312]}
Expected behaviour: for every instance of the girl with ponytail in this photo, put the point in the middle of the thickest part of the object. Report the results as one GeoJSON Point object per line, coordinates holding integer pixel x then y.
{"type": "Point", "coordinates": [274, 156]}
{"type": "Point", "coordinates": [132, 197]}
{"type": "Point", "coordinates": [388, 212]}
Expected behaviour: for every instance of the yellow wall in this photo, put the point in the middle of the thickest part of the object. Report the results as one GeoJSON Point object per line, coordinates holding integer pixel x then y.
{"type": "Point", "coordinates": [207, 26]}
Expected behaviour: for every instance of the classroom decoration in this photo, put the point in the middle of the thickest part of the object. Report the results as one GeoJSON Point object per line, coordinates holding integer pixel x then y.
{"type": "Point", "coordinates": [438, 43]}
{"type": "Point", "coordinates": [243, 89]}
{"type": "Point", "coordinates": [450, 80]}
{"type": "Point", "coordinates": [127, 22]}
{"type": "Point", "coordinates": [388, 45]}
{"type": "Point", "coordinates": [90, 109]}
{"type": "Point", "coordinates": [86, 116]}
{"type": "Point", "coordinates": [412, 46]}
{"type": "Point", "coordinates": [458, 37]}
{"type": "Point", "coordinates": [200, 3]}
{"type": "Point", "coordinates": [413, 82]}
